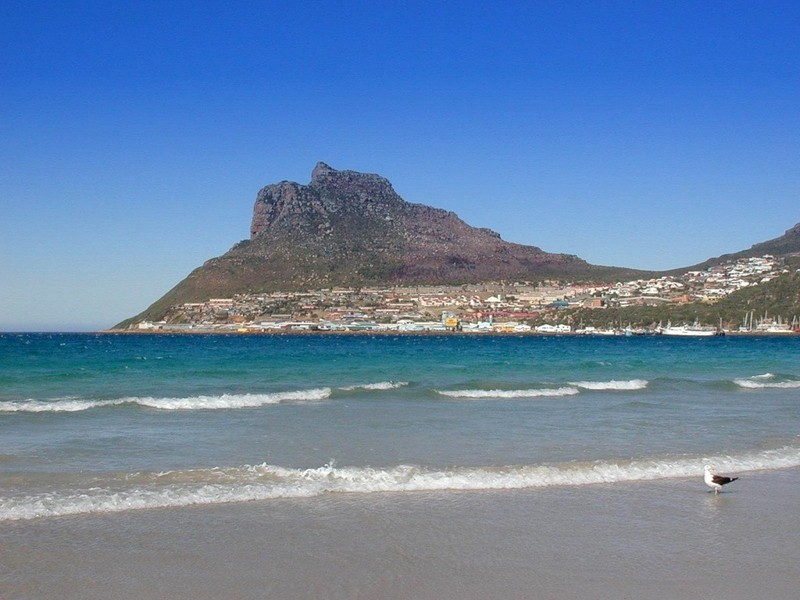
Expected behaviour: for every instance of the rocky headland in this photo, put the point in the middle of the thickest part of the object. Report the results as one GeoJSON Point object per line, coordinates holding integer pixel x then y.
{"type": "Point", "coordinates": [351, 229]}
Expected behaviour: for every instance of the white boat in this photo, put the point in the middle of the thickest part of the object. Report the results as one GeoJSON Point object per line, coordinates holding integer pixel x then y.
{"type": "Point", "coordinates": [774, 328]}
{"type": "Point", "coordinates": [591, 330]}
{"type": "Point", "coordinates": [770, 325]}
{"type": "Point", "coordinates": [547, 328]}
{"type": "Point", "coordinates": [609, 331]}
{"type": "Point", "coordinates": [779, 329]}
{"type": "Point", "coordinates": [688, 330]}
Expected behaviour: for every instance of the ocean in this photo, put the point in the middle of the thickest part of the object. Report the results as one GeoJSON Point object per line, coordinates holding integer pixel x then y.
{"type": "Point", "coordinates": [435, 466]}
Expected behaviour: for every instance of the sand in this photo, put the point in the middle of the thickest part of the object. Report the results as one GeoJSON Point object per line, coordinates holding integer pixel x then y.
{"type": "Point", "coordinates": [668, 539]}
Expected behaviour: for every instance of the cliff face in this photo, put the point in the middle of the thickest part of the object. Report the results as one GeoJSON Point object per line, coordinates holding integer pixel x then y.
{"type": "Point", "coordinates": [351, 229]}
{"type": "Point", "coordinates": [356, 224]}
{"type": "Point", "coordinates": [331, 196]}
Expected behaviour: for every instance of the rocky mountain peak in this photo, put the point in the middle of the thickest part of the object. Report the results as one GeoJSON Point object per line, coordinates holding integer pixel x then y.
{"type": "Point", "coordinates": [330, 192]}
{"type": "Point", "coordinates": [321, 172]}
{"type": "Point", "coordinates": [350, 229]}
{"type": "Point", "coordinates": [366, 186]}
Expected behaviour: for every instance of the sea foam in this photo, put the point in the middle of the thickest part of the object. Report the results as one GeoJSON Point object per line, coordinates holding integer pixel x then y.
{"type": "Point", "coordinates": [766, 381]}
{"type": "Point", "coordinates": [223, 401]}
{"type": "Point", "coordinates": [233, 400]}
{"type": "Point", "coordinates": [632, 384]}
{"type": "Point", "coordinates": [265, 482]}
{"type": "Point", "coordinates": [531, 393]}
{"type": "Point", "coordinates": [381, 385]}
{"type": "Point", "coordinates": [56, 405]}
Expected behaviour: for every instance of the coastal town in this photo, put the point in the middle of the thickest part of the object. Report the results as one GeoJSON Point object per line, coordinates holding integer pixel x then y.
{"type": "Point", "coordinates": [498, 307]}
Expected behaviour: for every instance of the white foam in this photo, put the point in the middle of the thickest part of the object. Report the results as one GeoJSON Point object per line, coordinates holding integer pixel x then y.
{"type": "Point", "coordinates": [765, 381]}
{"type": "Point", "coordinates": [633, 384]}
{"type": "Point", "coordinates": [56, 405]}
{"type": "Point", "coordinates": [233, 400]}
{"type": "Point", "coordinates": [264, 482]}
{"type": "Point", "coordinates": [532, 393]}
{"type": "Point", "coordinates": [381, 385]}
{"type": "Point", "coordinates": [190, 403]}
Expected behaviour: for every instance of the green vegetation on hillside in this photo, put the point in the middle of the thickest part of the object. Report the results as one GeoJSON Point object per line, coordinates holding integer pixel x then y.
{"type": "Point", "coordinates": [779, 297]}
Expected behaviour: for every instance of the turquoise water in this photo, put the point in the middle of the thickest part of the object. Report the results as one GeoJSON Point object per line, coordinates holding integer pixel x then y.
{"type": "Point", "coordinates": [110, 423]}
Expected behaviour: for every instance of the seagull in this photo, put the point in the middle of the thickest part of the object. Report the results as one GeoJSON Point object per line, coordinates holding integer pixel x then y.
{"type": "Point", "coordinates": [715, 481]}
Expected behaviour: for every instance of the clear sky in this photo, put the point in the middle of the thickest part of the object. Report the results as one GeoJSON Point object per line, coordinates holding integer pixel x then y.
{"type": "Point", "coordinates": [134, 136]}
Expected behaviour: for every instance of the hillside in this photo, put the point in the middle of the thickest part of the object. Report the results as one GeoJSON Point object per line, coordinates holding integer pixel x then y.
{"type": "Point", "coordinates": [778, 298]}
{"type": "Point", "coordinates": [786, 245]}
{"type": "Point", "coordinates": [352, 229]}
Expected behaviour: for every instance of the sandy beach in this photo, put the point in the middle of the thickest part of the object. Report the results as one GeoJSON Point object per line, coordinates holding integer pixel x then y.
{"type": "Point", "coordinates": [667, 539]}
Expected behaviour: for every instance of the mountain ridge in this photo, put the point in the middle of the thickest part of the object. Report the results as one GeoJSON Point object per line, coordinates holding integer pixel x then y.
{"type": "Point", "coordinates": [351, 229]}
{"type": "Point", "coordinates": [785, 245]}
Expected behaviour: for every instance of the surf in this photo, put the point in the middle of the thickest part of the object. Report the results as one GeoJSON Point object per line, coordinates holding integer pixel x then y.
{"type": "Point", "coordinates": [767, 381]}
{"type": "Point", "coordinates": [521, 393]}
{"type": "Point", "coordinates": [175, 489]}
{"type": "Point", "coordinates": [201, 402]}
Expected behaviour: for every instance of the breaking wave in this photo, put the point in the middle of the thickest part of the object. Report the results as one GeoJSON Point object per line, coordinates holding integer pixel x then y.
{"type": "Point", "coordinates": [633, 384]}
{"type": "Point", "coordinates": [58, 405]}
{"type": "Point", "coordinates": [573, 388]}
{"type": "Point", "coordinates": [265, 482]}
{"type": "Point", "coordinates": [223, 401]}
{"type": "Point", "coordinates": [381, 385]}
{"type": "Point", "coordinates": [201, 402]}
{"type": "Point", "coordinates": [765, 381]}
{"type": "Point", "coordinates": [532, 393]}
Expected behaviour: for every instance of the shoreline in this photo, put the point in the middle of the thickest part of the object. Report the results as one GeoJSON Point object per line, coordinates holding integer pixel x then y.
{"type": "Point", "coordinates": [423, 333]}
{"type": "Point", "coordinates": [662, 540]}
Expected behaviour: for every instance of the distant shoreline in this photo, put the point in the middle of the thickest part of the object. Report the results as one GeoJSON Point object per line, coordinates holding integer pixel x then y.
{"type": "Point", "coordinates": [378, 332]}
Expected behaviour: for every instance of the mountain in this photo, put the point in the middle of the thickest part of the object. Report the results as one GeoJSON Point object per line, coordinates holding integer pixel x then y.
{"type": "Point", "coordinates": [786, 245]}
{"type": "Point", "coordinates": [347, 228]}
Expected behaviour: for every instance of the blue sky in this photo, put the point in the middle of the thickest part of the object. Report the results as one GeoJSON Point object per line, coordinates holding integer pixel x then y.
{"type": "Point", "coordinates": [135, 136]}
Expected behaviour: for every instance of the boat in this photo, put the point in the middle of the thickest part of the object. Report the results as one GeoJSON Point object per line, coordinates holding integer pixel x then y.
{"type": "Point", "coordinates": [685, 330]}
{"type": "Point", "coordinates": [771, 325]}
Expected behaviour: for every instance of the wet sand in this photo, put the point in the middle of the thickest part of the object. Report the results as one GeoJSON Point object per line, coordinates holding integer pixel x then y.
{"type": "Point", "coordinates": [666, 539]}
